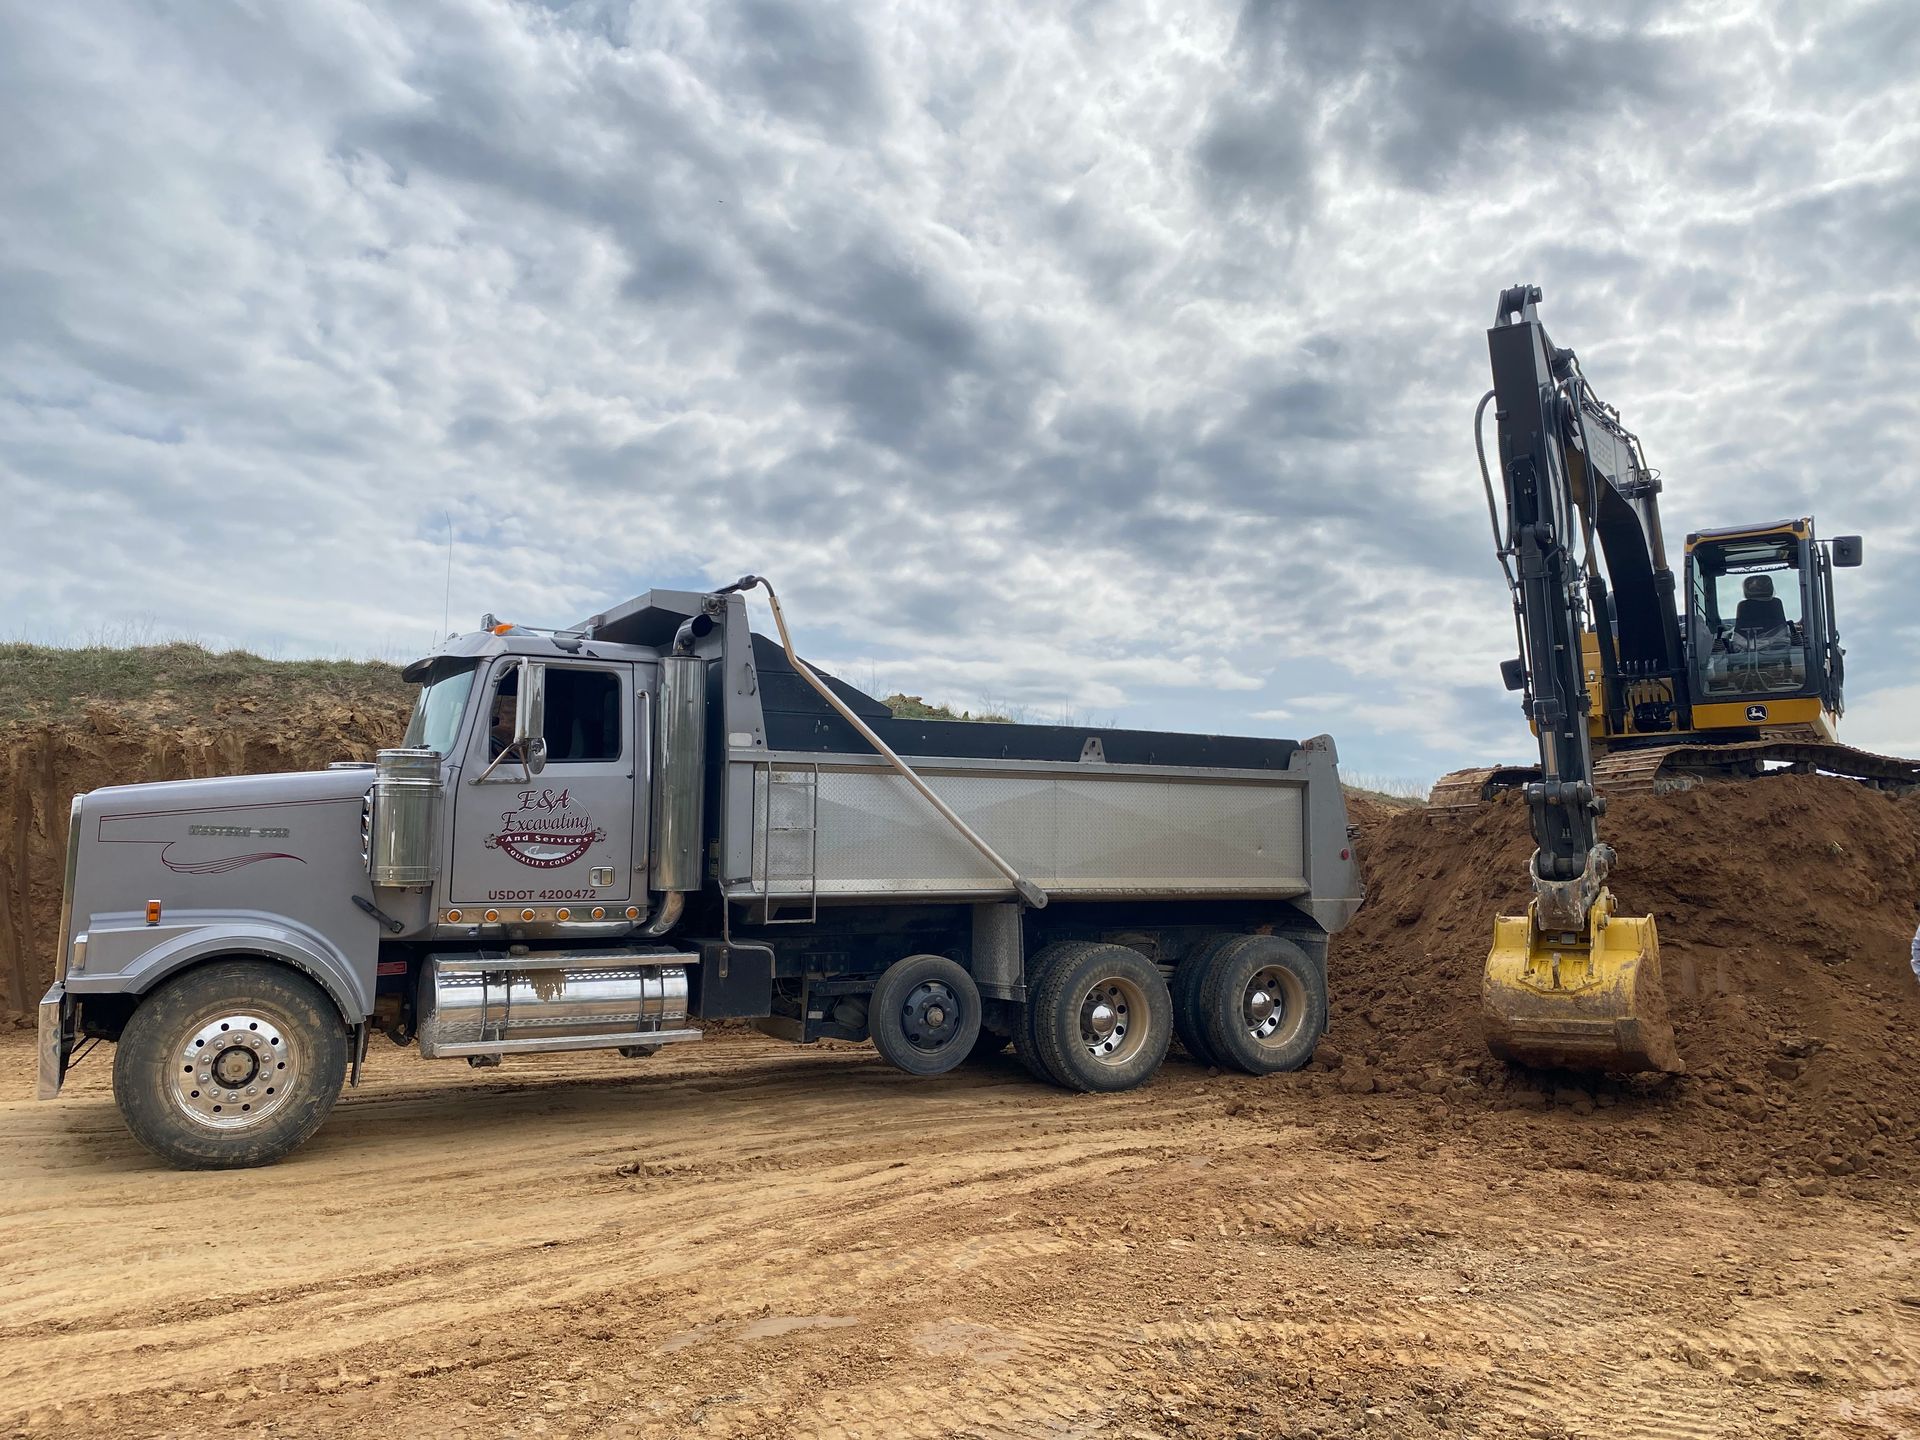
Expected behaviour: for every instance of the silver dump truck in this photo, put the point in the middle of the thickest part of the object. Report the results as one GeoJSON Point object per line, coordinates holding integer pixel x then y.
{"type": "Point", "coordinates": [597, 837]}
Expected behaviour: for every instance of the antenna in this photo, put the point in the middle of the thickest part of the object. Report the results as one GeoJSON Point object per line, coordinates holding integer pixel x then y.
{"type": "Point", "coordinates": [446, 599]}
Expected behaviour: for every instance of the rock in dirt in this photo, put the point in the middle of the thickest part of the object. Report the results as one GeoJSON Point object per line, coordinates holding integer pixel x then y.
{"type": "Point", "coordinates": [1356, 1080]}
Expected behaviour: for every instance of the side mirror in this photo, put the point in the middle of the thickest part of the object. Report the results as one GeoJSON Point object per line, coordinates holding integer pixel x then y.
{"type": "Point", "coordinates": [1845, 550]}
{"type": "Point", "coordinates": [1513, 673]}
{"type": "Point", "coordinates": [530, 716]}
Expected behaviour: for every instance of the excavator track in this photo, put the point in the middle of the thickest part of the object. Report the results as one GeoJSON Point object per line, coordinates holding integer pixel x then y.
{"type": "Point", "coordinates": [1677, 767]}
{"type": "Point", "coordinates": [1663, 768]}
{"type": "Point", "coordinates": [1470, 789]}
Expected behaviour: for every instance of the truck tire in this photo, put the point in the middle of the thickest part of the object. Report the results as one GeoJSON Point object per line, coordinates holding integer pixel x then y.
{"type": "Point", "coordinates": [1026, 1043]}
{"type": "Point", "coordinates": [1264, 1004]}
{"type": "Point", "coordinates": [924, 1015]}
{"type": "Point", "coordinates": [1101, 1018]}
{"type": "Point", "coordinates": [230, 1065]}
{"type": "Point", "coordinates": [1189, 1021]}
{"type": "Point", "coordinates": [1026, 1051]}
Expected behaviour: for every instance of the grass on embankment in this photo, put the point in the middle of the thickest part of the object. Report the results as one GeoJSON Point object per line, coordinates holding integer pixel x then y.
{"type": "Point", "coordinates": [179, 680]}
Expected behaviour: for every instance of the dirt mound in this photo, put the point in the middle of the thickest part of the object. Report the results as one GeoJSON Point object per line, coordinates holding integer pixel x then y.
{"type": "Point", "coordinates": [43, 765]}
{"type": "Point", "coordinates": [1785, 907]}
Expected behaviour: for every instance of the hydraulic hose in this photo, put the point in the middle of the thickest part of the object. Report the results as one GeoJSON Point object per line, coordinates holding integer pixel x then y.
{"type": "Point", "coordinates": [1502, 544]}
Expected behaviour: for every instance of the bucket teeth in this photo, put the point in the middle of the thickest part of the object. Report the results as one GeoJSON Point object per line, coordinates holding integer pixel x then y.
{"type": "Point", "coordinates": [1591, 1003]}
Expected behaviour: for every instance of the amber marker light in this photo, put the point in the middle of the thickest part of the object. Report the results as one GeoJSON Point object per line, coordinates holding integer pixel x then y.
{"type": "Point", "coordinates": [491, 916]}
{"type": "Point", "coordinates": [503, 627]}
{"type": "Point", "coordinates": [453, 917]}
{"type": "Point", "coordinates": [563, 914]}
{"type": "Point", "coordinates": [599, 912]}
{"type": "Point", "coordinates": [633, 912]}
{"type": "Point", "coordinates": [153, 912]}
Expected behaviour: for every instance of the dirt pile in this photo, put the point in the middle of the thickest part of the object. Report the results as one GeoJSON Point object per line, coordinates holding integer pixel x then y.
{"type": "Point", "coordinates": [1785, 908]}
{"type": "Point", "coordinates": [43, 764]}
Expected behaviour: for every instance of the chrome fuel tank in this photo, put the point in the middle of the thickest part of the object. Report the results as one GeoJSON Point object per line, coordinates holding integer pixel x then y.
{"type": "Point", "coordinates": [553, 1000]}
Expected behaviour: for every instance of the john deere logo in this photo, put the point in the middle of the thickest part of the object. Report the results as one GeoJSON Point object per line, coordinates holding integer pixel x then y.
{"type": "Point", "coordinates": [1756, 712]}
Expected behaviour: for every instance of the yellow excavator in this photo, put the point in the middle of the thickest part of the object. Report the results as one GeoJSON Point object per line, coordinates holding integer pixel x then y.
{"type": "Point", "coordinates": [1627, 687]}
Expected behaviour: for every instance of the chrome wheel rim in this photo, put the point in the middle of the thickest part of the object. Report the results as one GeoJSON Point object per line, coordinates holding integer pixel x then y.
{"type": "Point", "coordinates": [1273, 1006]}
{"type": "Point", "coordinates": [234, 1071]}
{"type": "Point", "coordinates": [1113, 1020]}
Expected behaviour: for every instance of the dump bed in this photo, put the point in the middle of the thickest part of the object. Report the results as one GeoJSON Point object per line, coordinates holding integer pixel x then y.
{"type": "Point", "coordinates": [810, 815]}
{"type": "Point", "coordinates": [802, 830]}
{"type": "Point", "coordinates": [847, 827]}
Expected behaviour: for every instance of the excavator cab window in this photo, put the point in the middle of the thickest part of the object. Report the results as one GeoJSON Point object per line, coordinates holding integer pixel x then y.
{"type": "Point", "coordinates": [1748, 629]}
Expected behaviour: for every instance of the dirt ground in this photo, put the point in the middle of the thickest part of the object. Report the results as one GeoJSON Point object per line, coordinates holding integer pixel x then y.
{"type": "Point", "coordinates": [743, 1238]}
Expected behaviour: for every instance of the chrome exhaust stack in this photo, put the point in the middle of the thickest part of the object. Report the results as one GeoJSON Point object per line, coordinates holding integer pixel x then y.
{"type": "Point", "coordinates": [399, 822]}
{"type": "Point", "coordinates": [679, 765]}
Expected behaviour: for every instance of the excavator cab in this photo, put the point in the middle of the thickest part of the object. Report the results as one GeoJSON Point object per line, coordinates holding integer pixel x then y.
{"type": "Point", "coordinates": [1763, 646]}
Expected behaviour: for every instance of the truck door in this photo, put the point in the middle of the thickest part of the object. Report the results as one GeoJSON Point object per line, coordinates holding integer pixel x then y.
{"type": "Point", "coordinates": [564, 836]}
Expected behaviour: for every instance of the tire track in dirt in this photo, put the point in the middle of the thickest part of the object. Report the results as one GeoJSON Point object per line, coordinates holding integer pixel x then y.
{"type": "Point", "coordinates": [681, 1249]}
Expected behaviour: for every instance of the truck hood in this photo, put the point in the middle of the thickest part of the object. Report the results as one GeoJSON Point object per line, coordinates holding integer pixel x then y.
{"type": "Point", "coordinates": [224, 791]}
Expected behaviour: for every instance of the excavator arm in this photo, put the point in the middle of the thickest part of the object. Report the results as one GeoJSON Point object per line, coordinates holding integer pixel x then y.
{"type": "Point", "coordinates": [1571, 983]}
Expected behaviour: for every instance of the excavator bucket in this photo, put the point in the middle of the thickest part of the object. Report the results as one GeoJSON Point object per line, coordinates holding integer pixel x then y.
{"type": "Point", "coordinates": [1596, 1004]}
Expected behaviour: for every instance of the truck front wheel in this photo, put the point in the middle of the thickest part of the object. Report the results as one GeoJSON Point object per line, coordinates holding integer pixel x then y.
{"type": "Point", "coordinates": [230, 1065]}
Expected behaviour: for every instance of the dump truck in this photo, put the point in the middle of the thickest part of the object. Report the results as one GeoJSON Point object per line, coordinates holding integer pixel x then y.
{"type": "Point", "coordinates": [605, 836]}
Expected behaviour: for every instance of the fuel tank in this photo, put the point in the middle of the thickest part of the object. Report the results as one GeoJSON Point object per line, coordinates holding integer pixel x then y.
{"type": "Point", "coordinates": [551, 1000]}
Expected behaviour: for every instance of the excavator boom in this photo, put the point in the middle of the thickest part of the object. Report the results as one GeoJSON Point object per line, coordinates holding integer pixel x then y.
{"type": "Point", "coordinates": [1571, 983]}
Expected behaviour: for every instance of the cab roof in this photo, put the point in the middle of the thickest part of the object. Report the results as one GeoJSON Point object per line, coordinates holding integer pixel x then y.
{"type": "Point", "coordinates": [1801, 527]}
{"type": "Point", "coordinates": [479, 645]}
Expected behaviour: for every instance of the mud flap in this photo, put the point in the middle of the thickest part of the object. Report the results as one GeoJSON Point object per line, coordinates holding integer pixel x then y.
{"type": "Point", "coordinates": [1592, 1003]}
{"type": "Point", "coordinates": [56, 1040]}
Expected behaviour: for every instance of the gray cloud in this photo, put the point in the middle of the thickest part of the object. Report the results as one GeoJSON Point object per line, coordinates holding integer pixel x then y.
{"type": "Point", "coordinates": [1093, 359]}
{"type": "Point", "coordinates": [1412, 90]}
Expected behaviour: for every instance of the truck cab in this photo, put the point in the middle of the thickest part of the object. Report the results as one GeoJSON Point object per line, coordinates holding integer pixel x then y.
{"type": "Point", "coordinates": [558, 825]}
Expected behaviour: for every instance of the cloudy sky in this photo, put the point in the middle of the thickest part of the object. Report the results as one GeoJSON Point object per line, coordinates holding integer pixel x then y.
{"type": "Point", "coordinates": [1104, 359]}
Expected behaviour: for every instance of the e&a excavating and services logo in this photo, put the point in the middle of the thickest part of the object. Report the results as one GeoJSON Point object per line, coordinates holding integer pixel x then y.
{"type": "Point", "coordinates": [546, 830]}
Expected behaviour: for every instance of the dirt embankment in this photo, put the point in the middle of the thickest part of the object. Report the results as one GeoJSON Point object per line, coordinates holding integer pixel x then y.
{"type": "Point", "coordinates": [44, 763]}
{"type": "Point", "coordinates": [1785, 908]}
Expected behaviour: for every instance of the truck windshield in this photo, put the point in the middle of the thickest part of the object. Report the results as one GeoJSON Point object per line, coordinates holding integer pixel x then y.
{"type": "Point", "coordinates": [436, 714]}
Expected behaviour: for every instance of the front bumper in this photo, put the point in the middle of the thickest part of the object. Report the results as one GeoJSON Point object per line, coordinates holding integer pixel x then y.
{"type": "Point", "coordinates": [56, 1038]}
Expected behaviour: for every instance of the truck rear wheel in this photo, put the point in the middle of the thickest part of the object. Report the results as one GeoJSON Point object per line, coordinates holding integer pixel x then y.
{"type": "Point", "coordinates": [1100, 1017]}
{"type": "Point", "coordinates": [1189, 1020]}
{"type": "Point", "coordinates": [1026, 1043]}
{"type": "Point", "coordinates": [925, 1015]}
{"type": "Point", "coordinates": [230, 1065]}
{"type": "Point", "coordinates": [1264, 1004]}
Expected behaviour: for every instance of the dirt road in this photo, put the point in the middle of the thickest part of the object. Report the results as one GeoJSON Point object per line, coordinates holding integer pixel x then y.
{"type": "Point", "coordinates": [740, 1238]}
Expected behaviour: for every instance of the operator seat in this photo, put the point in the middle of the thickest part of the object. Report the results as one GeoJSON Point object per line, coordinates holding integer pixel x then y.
{"type": "Point", "coordinates": [1761, 610]}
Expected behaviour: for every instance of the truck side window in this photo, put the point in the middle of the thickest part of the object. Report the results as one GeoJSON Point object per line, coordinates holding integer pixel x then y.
{"type": "Point", "coordinates": [583, 715]}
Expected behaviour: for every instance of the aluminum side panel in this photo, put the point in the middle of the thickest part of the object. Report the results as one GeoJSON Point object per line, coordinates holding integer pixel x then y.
{"type": "Point", "coordinates": [1073, 829]}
